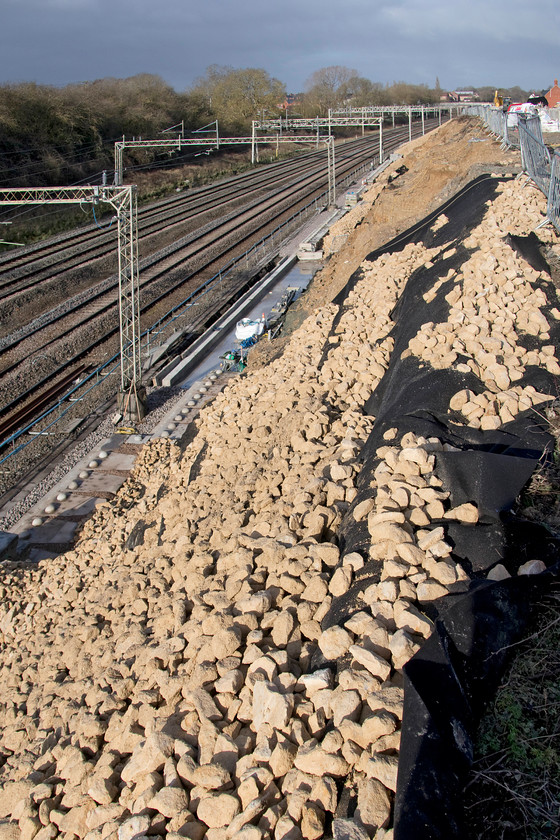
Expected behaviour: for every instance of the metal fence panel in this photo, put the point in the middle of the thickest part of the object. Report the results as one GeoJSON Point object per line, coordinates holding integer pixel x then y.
{"type": "Point", "coordinates": [496, 121]}
{"type": "Point", "coordinates": [553, 205]}
{"type": "Point", "coordinates": [534, 125]}
{"type": "Point", "coordinates": [536, 158]}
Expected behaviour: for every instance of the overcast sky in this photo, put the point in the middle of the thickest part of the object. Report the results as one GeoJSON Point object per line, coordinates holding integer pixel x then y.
{"type": "Point", "coordinates": [461, 42]}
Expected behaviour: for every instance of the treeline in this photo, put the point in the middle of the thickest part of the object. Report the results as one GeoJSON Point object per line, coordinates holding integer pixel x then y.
{"type": "Point", "coordinates": [235, 97]}
{"type": "Point", "coordinates": [52, 136]}
{"type": "Point", "coordinates": [60, 136]}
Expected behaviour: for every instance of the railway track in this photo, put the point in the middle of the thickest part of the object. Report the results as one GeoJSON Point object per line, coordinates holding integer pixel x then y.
{"type": "Point", "coordinates": [28, 267]}
{"type": "Point", "coordinates": [44, 352]}
{"type": "Point", "coordinates": [24, 268]}
{"type": "Point", "coordinates": [37, 403]}
{"type": "Point", "coordinates": [40, 272]}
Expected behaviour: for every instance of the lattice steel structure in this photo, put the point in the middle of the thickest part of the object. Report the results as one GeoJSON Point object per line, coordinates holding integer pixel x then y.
{"type": "Point", "coordinates": [316, 124]}
{"type": "Point", "coordinates": [254, 140]}
{"type": "Point", "coordinates": [124, 201]}
{"type": "Point", "coordinates": [175, 144]}
{"type": "Point", "coordinates": [181, 142]}
{"type": "Point", "coordinates": [371, 115]}
{"type": "Point", "coordinates": [388, 110]}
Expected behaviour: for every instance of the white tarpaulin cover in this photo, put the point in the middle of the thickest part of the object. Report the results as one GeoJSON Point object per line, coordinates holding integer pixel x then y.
{"type": "Point", "coordinates": [246, 328]}
{"type": "Point", "coordinates": [547, 123]}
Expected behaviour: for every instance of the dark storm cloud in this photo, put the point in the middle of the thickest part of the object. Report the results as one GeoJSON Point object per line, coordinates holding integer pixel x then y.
{"type": "Point", "coordinates": [460, 42]}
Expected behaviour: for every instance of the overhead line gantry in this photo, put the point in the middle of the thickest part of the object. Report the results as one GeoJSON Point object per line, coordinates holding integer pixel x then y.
{"type": "Point", "coordinates": [180, 142]}
{"type": "Point", "coordinates": [124, 201]}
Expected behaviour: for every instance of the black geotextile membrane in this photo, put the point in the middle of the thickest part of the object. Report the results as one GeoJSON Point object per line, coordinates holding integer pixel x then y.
{"type": "Point", "coordinates": [446, 686]}
{"type": "Point", "coordinates": [448, 680]}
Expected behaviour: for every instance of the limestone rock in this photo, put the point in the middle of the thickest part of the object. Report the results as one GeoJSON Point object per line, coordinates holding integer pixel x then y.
{"type": "Point", "coordinates": [345, 705]}
{"type": "Point", "coordinates": [375, 664]}
{"type": "Point", "coordinates": [383, 768]}
{"type": "Point", "coordinates": [218, 811]}
{"type": "Point", "coordinates": [270, 706]}
{"type": "Point", "coordinates": [362, 509]}
{"type": "Point", "coordinates": [408, 617]}
{"type": "Point", "coordinates": [498, 572]}
{"type": "Point", "coordinates": [211, 777]}
{"type": "Point", "coordinates": [11, 831]}
{"type": "Point", "coordinates": [463, 513]}
{"type": "Point", "coordinates": [248, 832]}
{"type": "Point", "coordinates": [313, 759]}
{"type": "Point", "coordinates": [429, 590]}
{"type": "Point", "coordinates": [316, 681]}
{"type": "Point", "coordinates": [150, 755]}
{"type": "Point", "coordinates": [312, 821]}
{"type": "Point", "coordinates": [11, 794]}
{"type": "Point", "coordinates": [282, 757]}
{"type": "Point", "coordinates": [532, 567]}
{"type": "Point", "coordinates": [374, 805]}
{"type": "Point", "coordinates": [170, 801]}
{"type": "Point", "coordinates": [344, 829]}
{"type": "Point", "coordinates": [286, 829]}
{"type": "Point", "coordinates": [341, 581]}
{"type": "Point", "coordinates": [334, 642]}
{"type": "Point", "coordinates": [134, 827]}
{"type": "Point", "coordinates": [403, 648]}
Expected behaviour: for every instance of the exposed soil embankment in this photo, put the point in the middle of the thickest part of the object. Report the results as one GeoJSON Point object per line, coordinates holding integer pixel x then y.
{"type": "Point", "coordinates": [187, 671]}
{"type": "Point", "coordinates": [432, 168]}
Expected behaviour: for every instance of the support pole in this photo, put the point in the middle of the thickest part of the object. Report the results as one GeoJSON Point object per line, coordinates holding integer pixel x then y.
{"type": "Point", "coordinates": [331, 172]}
{"type": "Point", "coordinates": [128, 288]}
{"type": "Point", "coordinates": [119, 162]}
{"type": "Point", "coordinates": [410, 122]}
{"type": "Point", "coordinates": [132, 396]}
{"type": "Point", "coordinates": [123, 200]}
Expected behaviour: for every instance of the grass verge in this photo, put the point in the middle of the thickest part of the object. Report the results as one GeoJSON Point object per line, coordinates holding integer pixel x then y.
{"type": "Point", "coordinates": [514, 791]}
{"type": "Point", "coordinates": [514, 788]}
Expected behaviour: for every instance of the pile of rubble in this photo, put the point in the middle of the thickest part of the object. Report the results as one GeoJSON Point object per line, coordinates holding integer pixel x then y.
{"type": "Point", "coordinates": [171, 676]}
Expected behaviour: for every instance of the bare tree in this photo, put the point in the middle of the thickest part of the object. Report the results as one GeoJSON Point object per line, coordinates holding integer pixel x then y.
{"type": "Point", "coordinates": [235, 97]}
{"type": "Point", "coordinates": [328, 88]}
{"type": "Point", "coordinates": [401, 93]}
{"type": "Point", "coordinates": [361, 92]}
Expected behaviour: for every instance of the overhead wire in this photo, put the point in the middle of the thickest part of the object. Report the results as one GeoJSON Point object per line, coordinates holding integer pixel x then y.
{"type": "Point", "coordinates": [38, 167]}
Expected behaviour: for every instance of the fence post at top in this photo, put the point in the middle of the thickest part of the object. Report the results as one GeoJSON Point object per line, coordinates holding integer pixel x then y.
{"type": "Point", "coordinates": [553, 203]}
